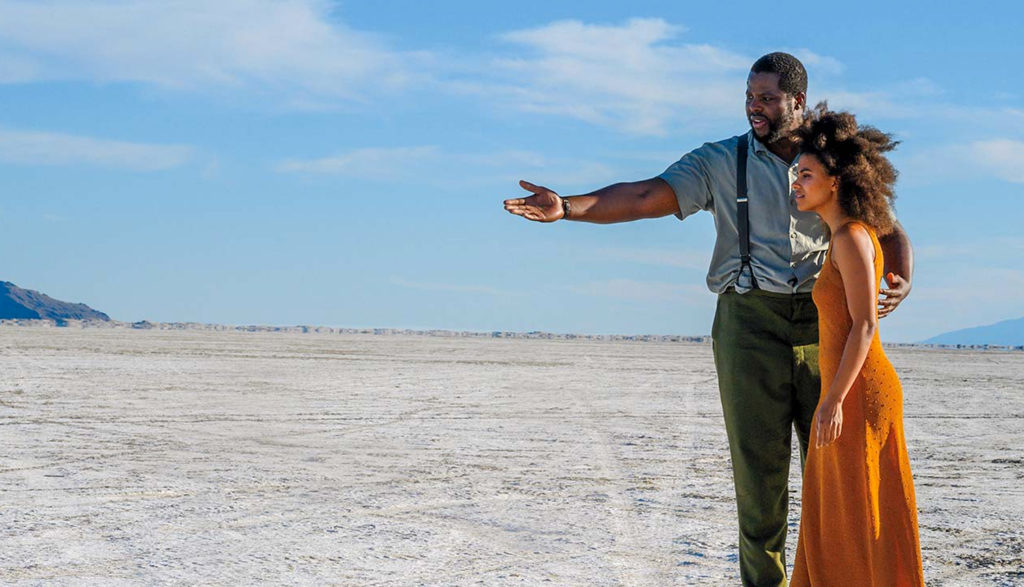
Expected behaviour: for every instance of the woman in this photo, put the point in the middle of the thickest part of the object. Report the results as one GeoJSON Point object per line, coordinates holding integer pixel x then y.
{"type": "Point", "coordinates": [859, 519]}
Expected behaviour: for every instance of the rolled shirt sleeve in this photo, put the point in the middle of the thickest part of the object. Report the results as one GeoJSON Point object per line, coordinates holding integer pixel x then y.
{"type": "Point", "coordinates": [691, 183]}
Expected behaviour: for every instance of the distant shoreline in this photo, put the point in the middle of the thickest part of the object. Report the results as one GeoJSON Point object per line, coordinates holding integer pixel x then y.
{"type": "Point", "coordinates": [536, 334]}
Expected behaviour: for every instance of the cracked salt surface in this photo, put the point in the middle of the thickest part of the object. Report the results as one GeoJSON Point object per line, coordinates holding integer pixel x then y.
{"type": "Point", "coordinates": [154, 457]}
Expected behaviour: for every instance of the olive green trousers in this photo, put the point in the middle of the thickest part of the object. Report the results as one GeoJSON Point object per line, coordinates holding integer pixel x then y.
{"type": "Point", "coordinates": [766, 354]}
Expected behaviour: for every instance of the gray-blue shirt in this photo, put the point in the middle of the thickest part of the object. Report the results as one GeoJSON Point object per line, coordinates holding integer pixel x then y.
{"type": "Point", "coordinates": [787, 246]}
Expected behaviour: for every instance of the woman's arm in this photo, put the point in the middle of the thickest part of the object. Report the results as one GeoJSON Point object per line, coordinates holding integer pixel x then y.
{"type": "Point", "coordinates": [854, 255]}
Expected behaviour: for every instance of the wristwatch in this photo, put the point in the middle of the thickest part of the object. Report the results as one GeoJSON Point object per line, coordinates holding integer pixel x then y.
{"type": "Point", "coordinates": [565, 208]}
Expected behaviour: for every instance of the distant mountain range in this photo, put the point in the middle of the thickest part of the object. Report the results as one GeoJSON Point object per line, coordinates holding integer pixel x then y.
{"type": "Point", "coordinates": [1007, 333]}
{"type": "Point", "coordinates": [27, 304]}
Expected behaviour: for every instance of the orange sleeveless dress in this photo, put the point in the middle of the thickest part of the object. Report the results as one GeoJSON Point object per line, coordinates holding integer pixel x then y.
{"type": "Point", "coordinates": [858, 523]}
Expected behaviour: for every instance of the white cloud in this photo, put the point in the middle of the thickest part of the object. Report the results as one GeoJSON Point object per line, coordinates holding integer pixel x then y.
{"type": "Point", "coordinates": [566, 175]}
{"type": "Point", "coordinates": [17, 69]}
{"type": "Point", "coordinates": [434, 166]}
{"type": "Point", "coordinates": [961, 282]}
{"type": "Point", "coordinates": [643, 291]}
{"type": "Point", "coordinates": [921, 99]}
{"type": "Point", "coordinates": [1002, 157]}
{"type": "Point", "coordinates": [636, 77]}
{"type": "Point", "coordinates": [949, 297]}
{"type": "Point", "coordinates": [662, 257]}
{"type": "Point", "coordinates": [971, 250]}
{"type": "Point", "coordinates": [919, 86]}
{"type": "Point", "coordinates": [977, 287]}
{"type": "Point", "coordinates": [628, 76]}
{"type": "Point", "coordinates": [816, 63]}
{"type": "Point", "coordinates": [46, 148]}
{"type": "Point", "coordinates": [289, 46]}
{"type": "Point", "coordinates": [452, 287]}
{"type": "Point", "coordinates": [371, 162]}
{"type": "Point", "coordinates": [868, 106]}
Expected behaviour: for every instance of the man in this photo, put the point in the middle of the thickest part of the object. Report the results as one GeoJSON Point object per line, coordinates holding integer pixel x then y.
{"type": "Point", "coordinates": [766, 257]}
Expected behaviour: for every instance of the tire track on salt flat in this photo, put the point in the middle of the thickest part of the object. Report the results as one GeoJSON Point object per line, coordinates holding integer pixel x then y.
{"type": "Point", "coordinates": [622, 518]}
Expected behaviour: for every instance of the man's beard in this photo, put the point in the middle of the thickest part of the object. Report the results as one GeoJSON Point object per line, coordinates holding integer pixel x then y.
{"type": "Point", "coordinates": [775, 127]}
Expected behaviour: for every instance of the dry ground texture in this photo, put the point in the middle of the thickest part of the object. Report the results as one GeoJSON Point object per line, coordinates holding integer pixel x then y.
{"type": "Point", "coordinates": [192, 457]}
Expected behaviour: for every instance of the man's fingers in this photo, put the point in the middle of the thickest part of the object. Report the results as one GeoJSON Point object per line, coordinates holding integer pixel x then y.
{"type": "Point", "coordinates": [530, 187]}
{"type": "Point", "coordinates": [520, 210]}
{"type": "Point", "coordinates": [515, 202]}
{"type": "Point", "coordinates": [885, 308]}
{"type": "Point", "coordinates": [891, 298]}
{"type": "Point", "coordinates": [537, 189]}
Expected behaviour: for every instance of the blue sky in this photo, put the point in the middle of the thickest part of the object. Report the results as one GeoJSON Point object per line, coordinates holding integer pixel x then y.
{"type": "Point", "coordinates": [335, 163]}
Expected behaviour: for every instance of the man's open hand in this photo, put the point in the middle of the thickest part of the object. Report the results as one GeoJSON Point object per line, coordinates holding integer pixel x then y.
{"type": "Point", "coordinates": [543, 206]}
{"type": "Point", "coordinates": [891, 297]}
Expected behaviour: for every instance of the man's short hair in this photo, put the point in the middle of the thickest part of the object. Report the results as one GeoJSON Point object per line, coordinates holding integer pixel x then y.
{"type": "Point", "coordinates": [792, 75]}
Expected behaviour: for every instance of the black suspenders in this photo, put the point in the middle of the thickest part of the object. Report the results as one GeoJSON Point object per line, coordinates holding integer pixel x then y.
{"type": "Point", "coordinates": [742, 213]}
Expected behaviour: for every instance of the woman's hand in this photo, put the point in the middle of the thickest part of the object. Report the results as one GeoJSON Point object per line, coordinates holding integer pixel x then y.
{"type": "Point", "coordinates": [829, 421]}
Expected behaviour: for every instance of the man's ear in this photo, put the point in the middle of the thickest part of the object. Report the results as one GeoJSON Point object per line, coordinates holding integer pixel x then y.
{"type": "Point", "coordinates": [801, 100]}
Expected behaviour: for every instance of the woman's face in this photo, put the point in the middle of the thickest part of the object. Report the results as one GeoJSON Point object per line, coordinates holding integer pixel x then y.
{"type": "Point", "coordinates": [814, 187]}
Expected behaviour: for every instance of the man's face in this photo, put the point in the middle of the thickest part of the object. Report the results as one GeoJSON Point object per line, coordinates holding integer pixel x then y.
{"type": "Point", "coordinates": [771, 112]}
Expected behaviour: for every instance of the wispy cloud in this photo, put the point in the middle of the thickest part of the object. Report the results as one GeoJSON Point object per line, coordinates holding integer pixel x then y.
{"type": "Point", "coordinates": [453, 287]}
{"type": "Point", "coordinates": [630, 76]}
{"type": "Point", "coordinates": [972, 286]}
{"type": "Point", "coordinates": [971, 250]}
{"type": "Point", "coordinates": [1002, 158]}
{"type": "Point", "coordinates": [290, 46]}
{"type": "Point", "coordinates": [661, 257]}
{"type": "Point", "coordinates": [922, 99]}
{"type": "Point", "coordinates": [46, 148]}
{"type": "Point", "coordinates": [643, 291]}
{"type": "Point", "coordinates": [17, 69]}
{"type": "Point", "coordinates": [429, 164]}
{"type": "Point", "coordinates": [371, 162]}
{"type": "Point", "coordinates": [822, 64]}
{"type": "Point", "coordinates": [639, 76]}
{"type": "Point", "coordinates": [963, 282]}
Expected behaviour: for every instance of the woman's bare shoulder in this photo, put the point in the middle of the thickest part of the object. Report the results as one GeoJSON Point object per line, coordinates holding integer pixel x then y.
{"type": "Point", "coordinates": [851, 241]}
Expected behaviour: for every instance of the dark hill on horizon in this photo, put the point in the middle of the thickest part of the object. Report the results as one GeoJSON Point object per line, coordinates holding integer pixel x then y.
{"type": "Point", "coordinates": [27, 304]}
{"type": "Point", "coordinates": [1005, 333]}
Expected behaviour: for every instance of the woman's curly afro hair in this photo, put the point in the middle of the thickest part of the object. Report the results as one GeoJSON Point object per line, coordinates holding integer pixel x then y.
{"type": "Point", "coordinates": [856, 156]}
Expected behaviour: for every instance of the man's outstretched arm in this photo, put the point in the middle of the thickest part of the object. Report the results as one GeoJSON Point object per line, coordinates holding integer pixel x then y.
{"type": "Point", "coordinates": [620, 202]}
{"type": "Point", "coordinates": [899, 269]}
